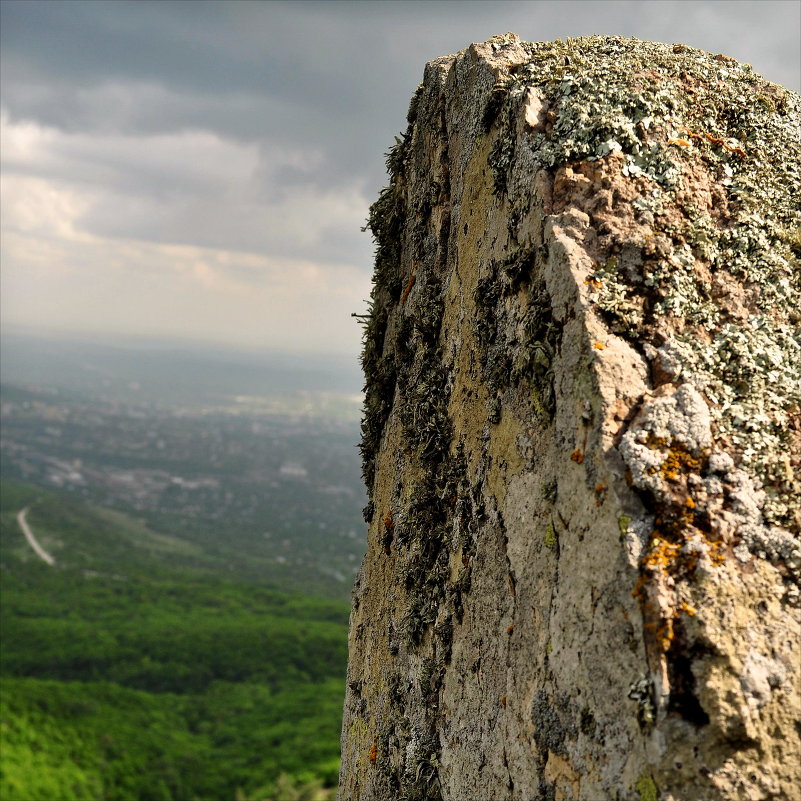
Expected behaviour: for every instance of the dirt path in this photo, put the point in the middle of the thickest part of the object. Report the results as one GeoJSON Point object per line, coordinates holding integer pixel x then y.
{"type": "Point", "coordinates": [26, 530]}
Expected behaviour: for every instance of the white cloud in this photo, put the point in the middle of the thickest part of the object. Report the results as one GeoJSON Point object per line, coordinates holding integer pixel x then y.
{"type": "Point", "coordinates": [191, 187]}
{"type": "Point", "coordinates": [89, 284]}
{"type": "Point", "coordinates": [174, 163]}
{"type": "Point", "coordinates": [194, 164]}
{"type": "Point", "coordinates": [173, 235]}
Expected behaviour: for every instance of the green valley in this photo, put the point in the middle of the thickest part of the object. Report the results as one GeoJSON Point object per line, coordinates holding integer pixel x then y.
{"type": "Point", "coordinates": [138, 669]}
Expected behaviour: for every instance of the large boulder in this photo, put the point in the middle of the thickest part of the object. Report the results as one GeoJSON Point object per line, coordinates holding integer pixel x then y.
{"type": "Point", "coordinates": [581, 435]}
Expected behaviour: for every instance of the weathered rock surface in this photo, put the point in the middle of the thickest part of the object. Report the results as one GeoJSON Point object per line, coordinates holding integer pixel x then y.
{"type": "Point", "coordinates": [581, 437]}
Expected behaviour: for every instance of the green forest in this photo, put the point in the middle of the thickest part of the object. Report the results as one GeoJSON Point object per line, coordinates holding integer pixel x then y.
{"type": "Point", "coordinates": [132, 670]}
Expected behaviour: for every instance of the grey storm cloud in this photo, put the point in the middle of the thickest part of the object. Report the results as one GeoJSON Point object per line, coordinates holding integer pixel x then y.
{"type": "Point", "coordinates": [333, 75]}
{"type": "Point", "coordinates": [254, 132]}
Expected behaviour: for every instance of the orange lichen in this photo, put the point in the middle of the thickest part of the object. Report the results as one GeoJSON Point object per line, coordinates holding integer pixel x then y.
{"type": "Point", "coordinates": [599, 346]}
{"type": "Point", "coordinates": [373, 754]}
{"type": "Point", "coordinates": [716, 555]}
{"type": "Point", "coordinates": [577, 456]}
{"type": "Point", "coordinates": [680, 461]}
{"type": "Point", "coordinates": [408, 289]}
{"type": "Point", "coordinates": [661, 627]}
{"type": "Point", "coordinates": [600, 493]}
{"type": "Point", "coordinates": [676, 525]}
{"type": "Point", "coordinates": [715, 140]}
{"type": "Point", "coordinates": [662, 632]}
{"type": "Point", "coordinates": [639, 588]}
{"type": "Point", "coordinates": [661, 556]}
{"type": "Point", "coordinates": [510, 629]}
{"type": "Point", "coordinates": [389, 532]}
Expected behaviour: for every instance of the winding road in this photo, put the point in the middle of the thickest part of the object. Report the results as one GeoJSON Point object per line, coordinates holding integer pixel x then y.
{"type": "Point", "coordinates": [26, 530]}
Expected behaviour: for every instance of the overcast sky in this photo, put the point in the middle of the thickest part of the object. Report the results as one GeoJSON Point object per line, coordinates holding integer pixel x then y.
{"type": "Point", "coordinates": [202, 170]}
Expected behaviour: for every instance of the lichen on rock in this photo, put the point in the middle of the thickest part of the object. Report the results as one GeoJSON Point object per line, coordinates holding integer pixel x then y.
{"type": "Point", "coordinates": [582, 434]}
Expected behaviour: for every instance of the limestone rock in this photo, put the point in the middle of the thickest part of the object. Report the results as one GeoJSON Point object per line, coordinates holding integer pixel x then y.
{"type": "Point", "coordinates": [581, 435]}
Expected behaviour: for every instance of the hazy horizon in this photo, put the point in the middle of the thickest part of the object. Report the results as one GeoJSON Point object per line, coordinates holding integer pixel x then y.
{"type": "Point", "coordinates": [157, 341]}
{"type": "Point", "coordinates": [200, 172]}
{"type": "Point", "coordinates": [174, 373]}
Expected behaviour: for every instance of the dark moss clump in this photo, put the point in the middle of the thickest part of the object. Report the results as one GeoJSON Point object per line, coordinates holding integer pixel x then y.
{"type": "Point", "coordinates": [396, 156]}
{"type": "Point", "coordinates": [500, 160]}
{"type": "Point", "coordinates": [518, 268]}
{"type": "Point", "coordinates": [536, 353]}
{"type": "Point", "coordinates": [426, 571]}
{"type": "Point", "coordinates": [553, 722]}
{"type": "Point", "coordinates": [494, 103]}
{"type": "Point", "coordinates": [494, 357]}
{"type": "Point", "coordinates": [550, 490]}
{"type": "Point", "coordinates": [422, 776]}
{"type": "Point", "coordinates": [587, 722]}
{"type": "Point", "coordinates": [503, 150]}
{"type": "Point", "coordinates": [385, 222]}
{"type": "Point", "coordinates": [379, 391]}
{"type": "Point", "coordinates": [414, 105]}
{"type": "Point", "coordinates": [396, 691]}
{"type": "Point", "coordinates": [505, 359]}
{"type": "Point", "coordinates": [423, 403]}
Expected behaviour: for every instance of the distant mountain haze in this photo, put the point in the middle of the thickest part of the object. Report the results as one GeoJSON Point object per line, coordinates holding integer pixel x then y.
{"type": "Point", "coordinates": [170, 372]}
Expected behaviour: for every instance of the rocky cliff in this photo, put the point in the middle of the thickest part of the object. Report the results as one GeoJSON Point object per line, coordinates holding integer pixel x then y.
{"type": "Point", "coordinates": [582, 435]}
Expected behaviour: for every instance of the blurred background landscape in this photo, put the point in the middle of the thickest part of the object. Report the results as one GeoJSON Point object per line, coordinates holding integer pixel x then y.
{"type": "Point", "coordinates": [183, 187]}
{"type": "Point", "coordinates": [190, 639]}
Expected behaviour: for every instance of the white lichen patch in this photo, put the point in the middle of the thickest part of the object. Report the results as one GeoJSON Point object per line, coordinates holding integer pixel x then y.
{"type": "Point", "coordinates": [678, 419]}
{"type": "Point", "coordinates": [715, 153]}
{"type": "Point", "coordinates": [752, 376]}
{"type": "Point", "coordinates": [534, 109]}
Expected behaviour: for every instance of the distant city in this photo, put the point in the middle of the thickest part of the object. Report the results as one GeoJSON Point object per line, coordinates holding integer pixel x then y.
{"type": "Point", "coordinates": [262, 480]}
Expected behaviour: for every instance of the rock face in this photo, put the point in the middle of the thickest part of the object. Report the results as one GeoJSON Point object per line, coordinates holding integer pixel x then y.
{"type": "Point", "coordinates": [581, 438]}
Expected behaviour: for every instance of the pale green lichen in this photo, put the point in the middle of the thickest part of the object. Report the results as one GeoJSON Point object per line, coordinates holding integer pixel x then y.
{"type": "Point", "coordinates": [357, 730]}
{"type": "Point", "coordinates": [751, 375]}
{"type": "Point", "coordinates": [642, 692]}
{"type": "Point", "coordinates": [646, 788]}
{"type": "Point", "coordinates": [673, 113]}
{"type": "Point", "coordinates": [549, 539]}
